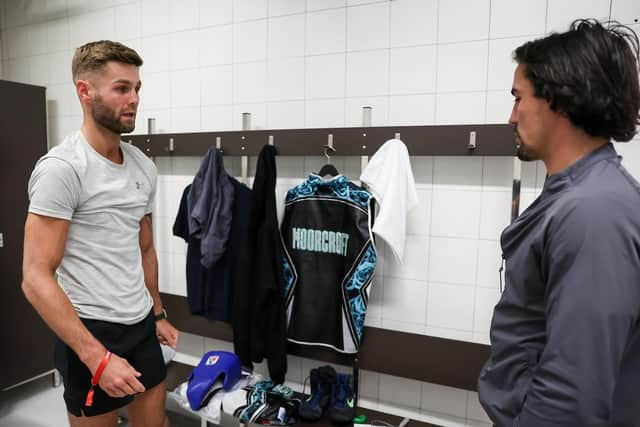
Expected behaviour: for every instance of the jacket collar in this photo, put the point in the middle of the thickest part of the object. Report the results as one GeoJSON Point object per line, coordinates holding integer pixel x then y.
{"type": "Point", "coordinates": [562, 179]}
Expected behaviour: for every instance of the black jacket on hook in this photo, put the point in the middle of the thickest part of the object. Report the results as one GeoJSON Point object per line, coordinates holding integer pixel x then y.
{"type": "Point", "coordinates": [259, 320]}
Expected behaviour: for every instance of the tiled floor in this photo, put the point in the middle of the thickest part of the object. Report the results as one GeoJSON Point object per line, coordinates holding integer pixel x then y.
{"type": "Point", "coordinates": [34, 404]}
{"type": "Point", "coordinates": [39, 404]}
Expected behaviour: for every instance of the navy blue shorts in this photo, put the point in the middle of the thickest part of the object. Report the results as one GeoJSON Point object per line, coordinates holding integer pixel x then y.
{"type": "Point", "coordinates": [137, 343]}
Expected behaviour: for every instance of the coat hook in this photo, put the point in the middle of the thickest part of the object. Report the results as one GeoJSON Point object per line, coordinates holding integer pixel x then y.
{"type": "Point", "coordinates": [151, 125]}
{"type": "Point", "coordinates": [397, 135]}
{"type": "Point", "coordinates": [171, 145]}
{"type": "Point", "coordinates": [472, 140]}
{"type": "Point", "coordinates": [271, 140]}
{"type": "Point", "coordinates": [219, 143]}
{"type": "Point", "coordinates": [246, 121]}
{"type": "Point", "coordinates": [366, 116]}
{"type": "Point", "coordinates": [244, 160]}
{"type": "Point", "coordinates": [329, 147]}
{"type": "Point", "coordinates": [366, 122]}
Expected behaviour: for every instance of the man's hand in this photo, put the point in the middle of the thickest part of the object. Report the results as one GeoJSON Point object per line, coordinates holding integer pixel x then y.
{"type": "Point", "coordinates": [167, 334]}
{"type": "Point", "coordinates": [120, 379]}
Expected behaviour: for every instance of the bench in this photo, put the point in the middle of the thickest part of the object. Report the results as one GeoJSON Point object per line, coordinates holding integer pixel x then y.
{"type": "Point", "coordinates": [401, 354]}
{"type": "Point", "coordinates": [177, 373]}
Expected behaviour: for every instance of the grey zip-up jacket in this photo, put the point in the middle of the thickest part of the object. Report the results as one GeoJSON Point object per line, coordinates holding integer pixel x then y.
{"type": "Point", "coordinates": [565, 336]}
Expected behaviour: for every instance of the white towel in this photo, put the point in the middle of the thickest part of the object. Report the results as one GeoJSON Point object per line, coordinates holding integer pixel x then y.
{"type": "Point", "coordinates": [390, 179]}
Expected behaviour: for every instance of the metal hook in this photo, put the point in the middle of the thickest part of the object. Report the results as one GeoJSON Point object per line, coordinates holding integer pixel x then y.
{"type": "Point", "coordinates": [329, 147]}
{"type": "Point", "coordinates": [246, 121]}
{"type": "Point", "coordinates": [219, 142]}
{"type": "Point", "coordinates": [366, 116]}
{"type": "Point", "coordinates": [472, 140]}
{"type": "Point", "coordinates": [271, 140]}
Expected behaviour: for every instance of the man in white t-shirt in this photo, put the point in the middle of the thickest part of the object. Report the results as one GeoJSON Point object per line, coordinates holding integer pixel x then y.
{"type": "Point", "coordinates": [90, 268]}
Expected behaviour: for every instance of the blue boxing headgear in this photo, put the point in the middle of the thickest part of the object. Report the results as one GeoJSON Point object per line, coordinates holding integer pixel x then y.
{"type": "Point", "coordinates": [216, 370]}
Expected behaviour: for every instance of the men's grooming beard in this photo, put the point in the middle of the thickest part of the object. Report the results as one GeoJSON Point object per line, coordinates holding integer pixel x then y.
{"type": "Point", "coordinates": [522, 152]}
{"type": "Point", "coordinates": [106, 117]}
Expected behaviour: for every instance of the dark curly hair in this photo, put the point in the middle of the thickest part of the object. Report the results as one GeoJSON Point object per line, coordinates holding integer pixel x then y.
{"type": "Point", "coordinates": [590, 74]}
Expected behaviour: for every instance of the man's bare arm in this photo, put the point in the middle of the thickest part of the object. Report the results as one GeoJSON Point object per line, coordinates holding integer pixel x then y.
{"type": "Point", "coordinates": [44, 244]}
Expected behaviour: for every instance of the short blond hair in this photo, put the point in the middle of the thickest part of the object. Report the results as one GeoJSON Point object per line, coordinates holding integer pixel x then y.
{"type": "Point", "coordinates": [93, 56]}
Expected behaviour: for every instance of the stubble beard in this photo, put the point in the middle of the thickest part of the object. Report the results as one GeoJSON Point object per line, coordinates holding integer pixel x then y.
{"type": "Point", "coordinates": [521, 150]}
{"type": "Point", "coordinates": [106, 117]}
{"type": "Point", "coordinates": [522, 153]}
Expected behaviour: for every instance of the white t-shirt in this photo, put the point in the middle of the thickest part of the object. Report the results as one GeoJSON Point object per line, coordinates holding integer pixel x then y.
{"type": "Point", "coordinates": [101, 270]}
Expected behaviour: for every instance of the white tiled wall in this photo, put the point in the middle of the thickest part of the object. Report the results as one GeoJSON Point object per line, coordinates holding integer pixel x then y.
{"type": "Point", "coordinates": [424, 61]}
{"type": "Point", "coordinates": [316, 63]}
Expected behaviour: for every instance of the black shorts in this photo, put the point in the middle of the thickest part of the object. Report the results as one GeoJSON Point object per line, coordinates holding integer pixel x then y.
{"type": "Point", "coordinates": [137, 343]}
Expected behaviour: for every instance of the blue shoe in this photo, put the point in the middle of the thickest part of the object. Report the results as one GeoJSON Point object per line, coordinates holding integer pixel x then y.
{"type": "Point", "coordinates": [322, 381]}
{"type": "Point", "coordinates": [342, 409]}
{"type": "Point", "coordinates": [256, 400]}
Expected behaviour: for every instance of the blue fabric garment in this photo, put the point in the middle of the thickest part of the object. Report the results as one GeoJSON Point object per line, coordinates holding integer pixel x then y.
{"type": "Point", "coordinates": [210, 290]}
{"type": "Point", "coordinates": [209, 205]}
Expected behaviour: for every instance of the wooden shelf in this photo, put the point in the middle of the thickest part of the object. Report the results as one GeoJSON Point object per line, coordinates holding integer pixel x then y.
{"type": "Point", "coordinates": [437, 140]}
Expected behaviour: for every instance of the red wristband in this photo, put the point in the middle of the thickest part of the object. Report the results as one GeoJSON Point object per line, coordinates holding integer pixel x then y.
{"type": "Point", "coordinates": [95, 379]}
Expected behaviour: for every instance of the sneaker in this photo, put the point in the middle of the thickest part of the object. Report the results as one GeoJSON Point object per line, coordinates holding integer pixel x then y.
{"type": "Point", "coordinates": [322, 381]}
{"type": "Point", "coordinates": [342, 400]}
{"type": "Point", "coordinates": [256, 401]}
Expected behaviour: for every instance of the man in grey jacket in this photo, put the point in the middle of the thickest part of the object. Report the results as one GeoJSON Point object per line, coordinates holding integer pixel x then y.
{"type": "Point", "coordinates": [566, 333]}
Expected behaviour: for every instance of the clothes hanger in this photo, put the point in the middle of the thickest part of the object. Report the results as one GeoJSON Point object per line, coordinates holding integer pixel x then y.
{"type": "Point", "coordinates": [328, 168]}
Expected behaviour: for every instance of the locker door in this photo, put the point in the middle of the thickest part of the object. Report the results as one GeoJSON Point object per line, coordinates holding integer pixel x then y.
{"type": "Point", "coordinates": [27, 343]}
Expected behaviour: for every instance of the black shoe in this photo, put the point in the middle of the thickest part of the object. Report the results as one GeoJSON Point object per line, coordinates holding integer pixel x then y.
{"type": "Point", "coordinates": [342, 400]}
{"type": "Point", "coordinates": [322, 381]}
